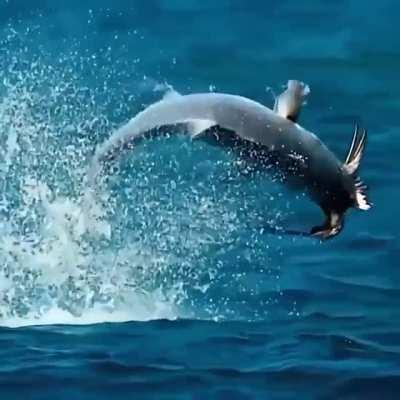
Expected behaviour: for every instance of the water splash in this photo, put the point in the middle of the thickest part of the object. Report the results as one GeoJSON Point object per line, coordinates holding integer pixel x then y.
{"type": "Point", "coordinates": [161, 236]}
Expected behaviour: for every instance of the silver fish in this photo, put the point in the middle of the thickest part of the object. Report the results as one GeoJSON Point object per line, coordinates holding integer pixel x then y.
{"type": "Point", "coordinates": [307, 163]}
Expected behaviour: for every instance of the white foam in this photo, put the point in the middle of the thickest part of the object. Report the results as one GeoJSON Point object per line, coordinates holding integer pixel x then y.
{"type": "Point", "coordinates": [139, 308]}
{"type": "Point", "coordinates": [58, 263]}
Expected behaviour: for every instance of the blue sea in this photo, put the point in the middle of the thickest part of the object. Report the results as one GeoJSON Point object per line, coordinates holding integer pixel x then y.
{"type": "Point", "coordinates": [187, 286]}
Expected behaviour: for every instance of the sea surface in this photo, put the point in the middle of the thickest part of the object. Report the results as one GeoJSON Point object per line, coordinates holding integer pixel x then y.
{"type": "Point", "coordinates": [187, 285]}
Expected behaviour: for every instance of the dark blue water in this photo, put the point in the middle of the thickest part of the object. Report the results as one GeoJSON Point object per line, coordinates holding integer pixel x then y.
{"type": "Point", "coordinates": [186, 289]}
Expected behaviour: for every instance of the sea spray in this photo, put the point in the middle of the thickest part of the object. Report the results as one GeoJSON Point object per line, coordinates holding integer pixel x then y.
{"type": "Point", "coordinates": [164, 238]}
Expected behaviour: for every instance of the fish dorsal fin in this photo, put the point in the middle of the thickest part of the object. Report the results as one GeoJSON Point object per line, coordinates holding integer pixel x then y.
{"type": "Point", "coordinates": [197, 126]}
{"type": "Point", "coordinates": [356, 150]}
{"type": "Point", "coordinates": [288, 104]}
{"type": "Point", "coordinates": [171, 94]}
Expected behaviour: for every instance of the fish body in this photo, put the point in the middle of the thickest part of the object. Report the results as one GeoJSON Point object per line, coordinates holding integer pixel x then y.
{"type": "Point", "coordinates": [302, 157]}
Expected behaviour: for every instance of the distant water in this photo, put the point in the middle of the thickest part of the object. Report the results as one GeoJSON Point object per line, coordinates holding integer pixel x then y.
{"type": "Point", "coordinates": [187, 289]}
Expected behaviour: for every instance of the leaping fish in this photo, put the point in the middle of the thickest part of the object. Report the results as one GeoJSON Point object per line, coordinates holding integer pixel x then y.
{"type": "Point", "coordinates": [307, 163]}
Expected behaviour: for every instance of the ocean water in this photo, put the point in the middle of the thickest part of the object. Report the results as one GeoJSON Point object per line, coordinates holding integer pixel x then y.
{"type": "Point", "coordinates": [186, 287]}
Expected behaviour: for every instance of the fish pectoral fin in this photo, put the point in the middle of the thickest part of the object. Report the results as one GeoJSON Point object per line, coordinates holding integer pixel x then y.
{"type": "Point", "coordinates": [331, 227]}
{"type": "Point", "coordinates": [356, 150]}
{"type": "Point", "coordinates": [197, 126]}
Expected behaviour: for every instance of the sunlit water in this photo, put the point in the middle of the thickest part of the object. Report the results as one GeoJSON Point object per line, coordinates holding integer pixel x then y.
{"type": "Point", "coordinates": [182, 248]}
